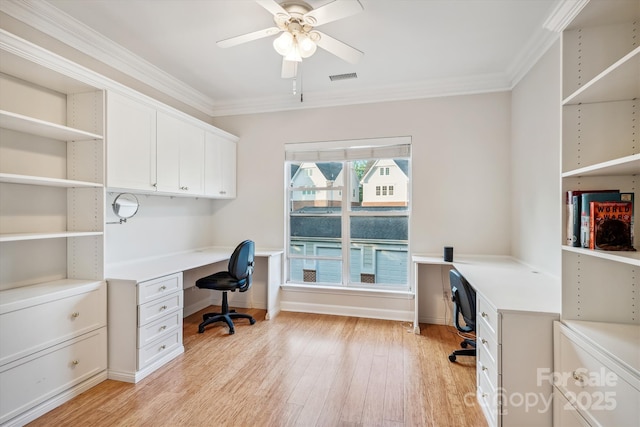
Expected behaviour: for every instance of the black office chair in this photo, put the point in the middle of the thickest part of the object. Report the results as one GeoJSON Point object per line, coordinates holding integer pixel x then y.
{"type": "Point", "coordinates": [464, 304]}
{"type": "Point", "coordinates": [237, 278]}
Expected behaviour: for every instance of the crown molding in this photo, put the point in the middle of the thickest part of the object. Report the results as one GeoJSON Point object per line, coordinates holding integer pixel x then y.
{"type": "Point", "coordinates": [537, 45]}
{"type": "Point", "coordinates": [563, 13]}
{"type": "Point", "coordinates": [48, 19]}
{"type": "Point", "coordinates": [454, 86]}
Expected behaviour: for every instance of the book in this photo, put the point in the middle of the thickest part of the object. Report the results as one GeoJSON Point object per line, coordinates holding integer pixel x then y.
{"type": "Point", "coordinates": [585, 214]}
{"type": "Point", "coordinates": [573, 212]}
{"type": "Point", "coordinates": [611, 226]}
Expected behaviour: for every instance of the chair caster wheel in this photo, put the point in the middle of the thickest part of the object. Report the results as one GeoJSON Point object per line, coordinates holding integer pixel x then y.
{"type": "Point", "coordinates": [232, 331]}
{"type": "Point", "coordinates": [201, 330]}
{"type": "Point", "coordinates": [452, 357]}
{"type": "Point", "coordinates": [463, 344]}
{"type": "Point", "coordinates": [252, 321]}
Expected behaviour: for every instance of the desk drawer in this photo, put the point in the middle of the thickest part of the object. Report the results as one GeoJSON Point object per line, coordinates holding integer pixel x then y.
{"type": "Point", "coordinates": [159, 348]}
{"type": "Point", "coordinates": [563, 414]}
{"type": "Point", "coordinates": [152, 331]}
{"type": "Point", "coordinates": [488, 399]}
{"type": "Point", "coordinates": [51, 323]}
{"type": "Point", "coordinates": [157, 309]}
{"type": "Point", "coordinates": [489, 370]}
{"type": "Point", "coordinates": [31, 380]}
{"type": "Point", "coordinates": [587, 380]}
{"type": "Point", "coordinates": [488, 315]}
{"type": "Point", "coordinates": [488, 349]}
{"type": "Point", "coordinates": [156, 288]}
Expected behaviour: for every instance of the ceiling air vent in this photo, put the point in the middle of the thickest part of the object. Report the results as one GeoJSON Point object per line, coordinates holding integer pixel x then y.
{"type": "Point", "coordinates": [347, 76]}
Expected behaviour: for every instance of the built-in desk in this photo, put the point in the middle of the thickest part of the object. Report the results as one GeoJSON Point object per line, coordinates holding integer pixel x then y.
{"type": "Point", "coordinates": [515, 311]}
{"type": "Point", "coordinates": [146, 304]}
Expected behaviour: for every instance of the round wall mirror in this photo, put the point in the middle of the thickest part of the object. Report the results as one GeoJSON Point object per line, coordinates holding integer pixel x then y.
{"type": "Point", "coordinates": [125, 206]}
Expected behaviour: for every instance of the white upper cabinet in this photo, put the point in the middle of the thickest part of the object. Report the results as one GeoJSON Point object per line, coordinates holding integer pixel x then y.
{"type": "Point", "coordinates": [151, 149]}
{"type": "Point", "coordinates": [180, 156]}
{"type": "Point", "coordinates": [131, 144]}
{"type": "Point", "coordinates": [220, 166]}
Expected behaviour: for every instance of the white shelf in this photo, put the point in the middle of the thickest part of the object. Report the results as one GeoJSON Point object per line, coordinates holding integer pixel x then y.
{"type": "Point", "coordinates": [47, 182]}
{"type": "Point", "coordinates": [15, 237]}
{"type": "Point", "coordinates": [621, 81]}
{"type": "Point", "coordinates": [629, 165]}
{"type": "Point", "coordinates": [625, 257]}
{"type": "Point", "coordinates": [32, 126]}
{"type": "Point", "coordinates": [26, 296]}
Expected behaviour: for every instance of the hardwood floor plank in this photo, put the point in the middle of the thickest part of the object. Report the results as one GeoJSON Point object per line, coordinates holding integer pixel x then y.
{"type": "Point", "coordinates": [295, 370]}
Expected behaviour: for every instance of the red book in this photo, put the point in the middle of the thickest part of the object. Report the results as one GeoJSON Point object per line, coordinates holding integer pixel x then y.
{"type": "Point", "coordinates": [611, 226]}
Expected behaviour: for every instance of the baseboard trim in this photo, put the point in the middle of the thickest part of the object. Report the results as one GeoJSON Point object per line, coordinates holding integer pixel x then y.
{"type": "Point", "coordinates": [343, 310]}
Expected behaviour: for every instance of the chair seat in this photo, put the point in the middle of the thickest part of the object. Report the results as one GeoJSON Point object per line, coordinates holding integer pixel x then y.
{"type": "Point", "coordinates": [221, 281]}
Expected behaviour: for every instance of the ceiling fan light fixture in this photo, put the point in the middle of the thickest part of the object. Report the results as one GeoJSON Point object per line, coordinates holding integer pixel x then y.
{"type": "Point", "coordinates": [284, 44]}
{"type": "Point", "coordinates": [306, 46]}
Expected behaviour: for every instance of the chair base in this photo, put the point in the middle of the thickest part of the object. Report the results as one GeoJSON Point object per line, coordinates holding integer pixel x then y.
{"type": "Point", "coordinates": [464, 351]}
{"type": "Point", "coordinates": [225, 316]}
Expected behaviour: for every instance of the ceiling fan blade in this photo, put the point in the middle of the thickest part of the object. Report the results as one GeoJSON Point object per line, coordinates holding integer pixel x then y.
{"type": "Point", "coordinates": [338, 48]}
{"type": "Point", "coordinates": [273, 7]}
{"type": "Point", "coordinates": [332, 12]}
{"type": "Point", "coordinates": [234, 41]}
{"type": "Point", "coordinates": [289, 69]}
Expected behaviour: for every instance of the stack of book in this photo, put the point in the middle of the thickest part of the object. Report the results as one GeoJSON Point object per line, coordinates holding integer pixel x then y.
{"type": "Point", "coordinates": [600, 219]}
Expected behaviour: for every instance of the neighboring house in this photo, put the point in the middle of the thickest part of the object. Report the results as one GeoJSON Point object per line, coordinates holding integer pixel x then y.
{"type": "Point", "coordinates": [317, 181]}
{"type": "Point", "coordinates": [386, 183]}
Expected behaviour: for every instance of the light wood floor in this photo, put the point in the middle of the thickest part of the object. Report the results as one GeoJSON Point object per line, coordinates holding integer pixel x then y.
{"type": "Point", "coordinates": [295, 370]}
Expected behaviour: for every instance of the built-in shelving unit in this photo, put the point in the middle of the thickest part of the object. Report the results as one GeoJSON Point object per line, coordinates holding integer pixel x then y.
{"type": "Point", "coordinates": [51, 232]}
{"type": "Point", "coordinates": [601, 150]}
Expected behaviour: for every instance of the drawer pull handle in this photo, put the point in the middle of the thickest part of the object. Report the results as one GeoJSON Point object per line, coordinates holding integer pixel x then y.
{"type": "Point", "coordinates": [578, 377]}
{"type": "Point", "coordinates": [162, 347]}
{"type": "Point", "coordinates": [484, 368]}
{"type": "Point", "coordinates": [163, 327]}
{"type": "Point", "coordinates": [75, 362]}
{"type": "Point", "coordinates": [75, 314]}
{"type": "Point", "coordinates": [162, 288]}
{"type": "Point", "coordinates": [164, 307]}
{"type": "Point", "coordinates": [483, 314]}
{"type": "Point", "coordinates": [483, 341]}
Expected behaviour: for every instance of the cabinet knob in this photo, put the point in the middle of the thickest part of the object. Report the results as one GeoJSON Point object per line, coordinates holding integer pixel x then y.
{"type": "Point", "coordinates": [154, 185]}
{"type": "Point", "coordinates": [184, 188]}
{"type": "Point", "coordinates": [162, 347]}
{"type": "Point", "coordinates": [164, 307]}
{"type": "Point", "coordinates": [484, 314]}
{"type": "Point", "coordinates": [484, 368]}
{"type": "Point", "coordinates": [578, 377]}
{"type": "Point", "coordinates": [163, 327]}
{"type": "Point", "coordinates": [75, 362]}
{"type": "Point", "coordinates": [162, 288]}
{"type": "Point", "coordinates": [75, 314]}
{"type": "Point", "coordinates": [483, 341]}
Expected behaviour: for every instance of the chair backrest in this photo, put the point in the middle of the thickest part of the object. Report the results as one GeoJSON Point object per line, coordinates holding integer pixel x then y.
{"type": "Point", "coordinates": [464, 298]}
{"type": "Point", "coordinates": [241, 263]}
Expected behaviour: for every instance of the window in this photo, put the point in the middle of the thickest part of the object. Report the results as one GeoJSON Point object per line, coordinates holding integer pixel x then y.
{"type": "Point", "coordinates": [354, 229]}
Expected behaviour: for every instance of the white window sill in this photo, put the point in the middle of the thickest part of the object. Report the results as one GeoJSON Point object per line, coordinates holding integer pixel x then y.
{"type": "Point", "coordinates": [342, 290]}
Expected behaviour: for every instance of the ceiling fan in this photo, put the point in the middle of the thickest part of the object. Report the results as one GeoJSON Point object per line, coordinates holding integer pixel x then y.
{"type": "Point", "coordinates": [296, 20]}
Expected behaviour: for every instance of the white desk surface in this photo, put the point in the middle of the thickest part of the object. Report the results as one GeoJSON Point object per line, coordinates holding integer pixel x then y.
{"type": "Point", "coordinates": [143, 269]}
{"type": "Point", "coordinates": [505, 283]}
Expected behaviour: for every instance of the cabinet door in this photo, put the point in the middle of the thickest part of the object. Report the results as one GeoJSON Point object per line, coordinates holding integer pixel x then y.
{"type": "Point", "coordinates": [180, 156]}
{"type": "Point", "coordinates": [131, 144]}
{"type": "Point", "coordinates": [220, 167]}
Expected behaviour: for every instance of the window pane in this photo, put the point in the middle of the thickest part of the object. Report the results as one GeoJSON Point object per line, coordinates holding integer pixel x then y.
{"type": "Point", "coordinates": [379, 250]}
{"type": "Point", "coordinates": [320, 174]}
{"type": "Point", "coordinates": [388, 189]}
{"type": "Point", "coordinates": [316, 201]}
{"type": "Point", "coordinates": [303, 228]}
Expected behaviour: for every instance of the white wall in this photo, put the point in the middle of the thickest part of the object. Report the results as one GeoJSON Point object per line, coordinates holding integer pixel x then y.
{"type": "Point", "coordinates": [461, 176]}
{"type": "Point", "coordinates": [460, 165]}
{"type": "Point", "coordinates": [535, 161]}
{"type": "Point", "coordinates": [163, 225]}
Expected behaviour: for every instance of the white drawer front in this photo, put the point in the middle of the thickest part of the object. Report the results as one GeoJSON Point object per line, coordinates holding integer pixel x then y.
{"type": "Point", "coordinates": [487, 349]}
{"type": "Point", "coordinates": [604, 397]}
{"type": "Point", "coordinates": [489, 370]}
{"type": "Point", "coordinates": [156, 288]}
{"type": "Point", "coordinates": [489, 316]}
{"type": "Point", "coordinates": [152, 331]}
{"type": "Point", "coordinates": [51, 323]}
{"type": "Point", "coordinates": [157, 309]}
{"type": "Point", "coordinates": [488, 399]}
{"type": "Point", "coordinates": [157, 349]}
{"type": "Point", "coordinates": [32, 380]}
{"type": "Point", "coordinates": [564, 415]}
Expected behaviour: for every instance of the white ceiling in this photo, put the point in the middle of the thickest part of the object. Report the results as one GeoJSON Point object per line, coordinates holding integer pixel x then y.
{"type": "Point", "coordinates": [412, 49]}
